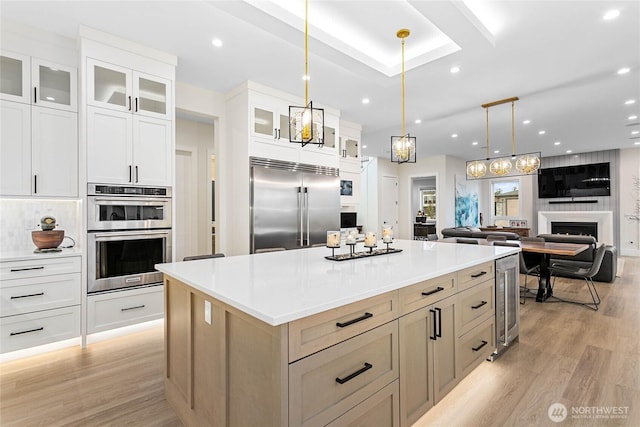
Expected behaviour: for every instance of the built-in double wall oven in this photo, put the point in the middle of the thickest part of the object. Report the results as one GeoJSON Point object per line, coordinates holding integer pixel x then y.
{"type": "Point", "coordinates": [129, 231]}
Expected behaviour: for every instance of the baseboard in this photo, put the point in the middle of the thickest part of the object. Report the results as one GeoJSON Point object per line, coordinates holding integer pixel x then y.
{"type": "Point", "coordinates": [630, 252]}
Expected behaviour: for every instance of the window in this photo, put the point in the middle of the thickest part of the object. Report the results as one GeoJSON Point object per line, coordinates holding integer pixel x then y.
{"type": "Point", "coordinates": [506, 204]}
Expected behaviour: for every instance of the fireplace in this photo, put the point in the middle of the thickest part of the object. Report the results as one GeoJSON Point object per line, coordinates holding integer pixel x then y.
{"type": "Point", "coordinates": [603, 219]}
{"type": "Point", "coordinates": [575, 228]}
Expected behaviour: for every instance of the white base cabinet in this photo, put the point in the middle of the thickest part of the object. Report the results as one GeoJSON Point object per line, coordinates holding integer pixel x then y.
{"type": "Point", "coordinates": [39, 301]}
{"type": "Point", "coordinates": [122, 308]}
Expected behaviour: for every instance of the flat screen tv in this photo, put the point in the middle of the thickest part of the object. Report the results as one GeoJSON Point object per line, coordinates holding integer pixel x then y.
{"type": "Point", "coordinates": [574, 181]}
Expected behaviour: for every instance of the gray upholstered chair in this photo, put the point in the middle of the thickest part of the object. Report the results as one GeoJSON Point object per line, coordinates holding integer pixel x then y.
{"type": "Point", "coordinates": [195, 257]}
{"type": "Point", "coordinates": [466, 240]}
{"type": "Point", "coordinates": [496, 238]}
{"type": "Point", "coordinates": [526, 269]}
{"type": "Point", "coordinates": [585, 273]}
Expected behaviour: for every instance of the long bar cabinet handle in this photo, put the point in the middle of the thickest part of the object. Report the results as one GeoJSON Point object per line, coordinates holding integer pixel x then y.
{"type": "Point", "coordinates": [439, 334]}
{"type": "Point", "coordinates": [39, 294]}
{"type": "Point", "coordinates": [438, 289]}
{"type": "Point", "coordinates": [349, 377]}
{"type": "Point", "coordinates": [433, 322]}
{"type": "Point", "coordinates": [479, 305]}
{"type": "Point", "coordinates": [352, 321]}
{"type": "Point", "coordinates": [133, 308]}
{"type": "Point", "coordinates": [27, 268]}
{"type": "Point", "coordinates": [482, 273]}
{"type": "Point", "coordinates": [26, 332]}
{"type": "Point", "coordinates": [480, 346]}
{"type": "Point", "coordinates": [35, 95]}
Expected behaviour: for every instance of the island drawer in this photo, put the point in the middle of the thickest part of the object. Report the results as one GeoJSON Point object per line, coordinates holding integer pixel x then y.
{"type": "Point", "coordinates": [322, 330]}
{"type": "Point", "coordinates": [475, 305]}
{"type": "Point", "coordinates": [381, 409]}
{"type": "Point", "coordinates": [327, 384]}
{"type": "Point", "coordinates": [20, 296]}
{"type": "Point", "coordinates": [476, 345]}
{"type": "Point", "coordinates": [477, 274]}
{"type": "Point", "coordinates": [116, 309]}
{"type": "Point", "coordinates": [39, 267]}
{"type": "Point", "coordinates": [42, 327]}
{"type": "Point", "coordinates": [422, 294]}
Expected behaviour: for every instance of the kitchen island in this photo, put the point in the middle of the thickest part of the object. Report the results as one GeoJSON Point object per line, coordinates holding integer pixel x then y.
{"type": "Point", "coordinates": [290, 338]}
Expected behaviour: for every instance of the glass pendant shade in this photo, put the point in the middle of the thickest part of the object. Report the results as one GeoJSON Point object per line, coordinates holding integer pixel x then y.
{"type": "Point", "coordinates": [403, 149]}
{"type": "Point", "coordinates": [306, 125]}
{"type": "Point", "coordinates": [528, 163]}
{"type": "Point", "coordinates": [476, 169]}
{"type": "Point", "coordinates": [500, 166]}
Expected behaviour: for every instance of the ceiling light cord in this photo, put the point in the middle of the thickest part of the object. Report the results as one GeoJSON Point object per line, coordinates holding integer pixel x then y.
{"type": "Point", "coordinates": [487, 108]}
{"type": "Point", "coordinates": [306, 52]}
{"type": "Point", "coordinates": [513, 130]}
{"type": "Point", "coordinates": [403, 128]}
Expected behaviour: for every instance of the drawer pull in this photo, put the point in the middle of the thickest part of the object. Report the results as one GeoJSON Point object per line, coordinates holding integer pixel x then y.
{"type": "Point", "coordinates": [356, 320]}
{"type": "Point", "coordinates": [438, 289]}
{"type": "Point", "coordinates": [479, 305]}
{"type": "Point", "coordinates": [27, 296]}
{"type": "Point", "coordinates": [27, 268]}
{"type": "Point", "coordinates": [349, 377]}
{"type": "Point", "coordinates": [482, 273]}
{"type": "Point", "coordinates": [480, 346]}
{"type": "Point", "coordinates": [132, 308]}
{"type": "Point", "coordinates": [26, 332]}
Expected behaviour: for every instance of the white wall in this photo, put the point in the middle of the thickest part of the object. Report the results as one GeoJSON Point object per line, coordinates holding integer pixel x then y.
{"type": "Point", "coordinates": [629, 168]}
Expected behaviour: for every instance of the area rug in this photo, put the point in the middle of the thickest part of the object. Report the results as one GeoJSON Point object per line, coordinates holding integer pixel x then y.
{"type": "Point", "coordinates": [620, 267]}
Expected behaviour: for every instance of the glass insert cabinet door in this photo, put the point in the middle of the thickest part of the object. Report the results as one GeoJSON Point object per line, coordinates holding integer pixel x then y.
{"type": "Point", "coordinates": [54, 85]}
{"type": "Point", "coordinates": [14, 77]}
{"type": "Point", "coordinates": [109, 86]}
{"type": "Point", "coordinates": [151, 95]}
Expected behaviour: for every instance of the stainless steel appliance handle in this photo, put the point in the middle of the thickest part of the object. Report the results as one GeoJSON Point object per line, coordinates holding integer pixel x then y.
{"type": "Point", "coordinates": [130, 201]}
{"type": "Point", "coordinates": [140, 234]}
{"type": "Point", "coordinates": [506, 307]}
{"type": "Point", "coordinates": [300, 216]}
{"type": "Point", "coordinates": [306, 209]}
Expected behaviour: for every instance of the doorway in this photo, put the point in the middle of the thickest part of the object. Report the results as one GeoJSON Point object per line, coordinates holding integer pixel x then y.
{"type": "Point", "coordinates": [389, 202]}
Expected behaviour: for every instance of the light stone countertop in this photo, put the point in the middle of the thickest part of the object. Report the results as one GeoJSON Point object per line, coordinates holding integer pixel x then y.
{"type": "Point", "coordinates": [279, 287]}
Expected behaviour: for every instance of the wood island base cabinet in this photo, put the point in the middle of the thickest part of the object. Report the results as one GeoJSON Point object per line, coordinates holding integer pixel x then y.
{"type": "Point", "coordinates": [225, 367]}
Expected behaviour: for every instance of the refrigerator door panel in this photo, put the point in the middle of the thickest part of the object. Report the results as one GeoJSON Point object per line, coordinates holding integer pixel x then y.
{"type": "Point", "coordinates": [275, 208]}
{"type": "Point", "coordinates": [322, 207]}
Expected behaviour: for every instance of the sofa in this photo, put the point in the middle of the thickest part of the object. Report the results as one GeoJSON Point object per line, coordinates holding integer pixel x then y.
{"type": "Point", "coordinates": [476, 233]}
{"type": "Point", "coordinates": [608, 269]}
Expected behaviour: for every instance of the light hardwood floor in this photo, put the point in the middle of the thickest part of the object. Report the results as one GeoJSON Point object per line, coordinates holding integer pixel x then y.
{"type": "Point", "coordinates": [567, 354]}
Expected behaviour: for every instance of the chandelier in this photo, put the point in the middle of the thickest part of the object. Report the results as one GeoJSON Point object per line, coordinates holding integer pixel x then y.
{"type": "Point", "coordinates": [403, 147]}
{"type": "Point", "coordinates": [525, 164]}
{"type": "Point", "coordinates": [306, 124]}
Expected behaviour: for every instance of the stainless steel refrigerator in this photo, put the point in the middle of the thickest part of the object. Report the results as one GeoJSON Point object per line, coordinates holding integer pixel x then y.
{"type": "Point", "coordinates": [293, 205]}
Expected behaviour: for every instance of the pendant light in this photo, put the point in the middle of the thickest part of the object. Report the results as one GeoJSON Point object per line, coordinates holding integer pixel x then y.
{"type": "Point", "coordinates": [477, 168]}
{"type": "Point", "coordinates": [403, 147]}
{"type": "Point", "coordinates": [306, 124]}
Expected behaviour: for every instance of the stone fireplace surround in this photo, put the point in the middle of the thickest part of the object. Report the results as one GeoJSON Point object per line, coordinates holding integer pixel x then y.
{"type": "Point", "coordinates": [604, 219]}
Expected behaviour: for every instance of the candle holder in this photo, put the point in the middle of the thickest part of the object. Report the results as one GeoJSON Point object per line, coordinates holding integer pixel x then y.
{"type": "Point", "coordinates": [387, 243]}
{"type": "Point", "coordinates": [352, 247]}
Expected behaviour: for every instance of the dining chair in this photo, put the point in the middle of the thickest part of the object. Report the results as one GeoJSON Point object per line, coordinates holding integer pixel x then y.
{"type": "Point", "coordinates": [466, 240]}
{"type": "Point", "coordinates": [581, 273]}
{"type": "Point", "coordinates": [527, 270]}
{"type": "Point", "coordinates": [195, 257]}
{"type": "Point", "coordinates": [531, 261]}
{"type": "Point", "coordinates": [496, 238]}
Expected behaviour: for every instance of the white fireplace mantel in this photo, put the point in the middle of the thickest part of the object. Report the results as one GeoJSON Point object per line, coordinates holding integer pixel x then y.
{"type": "Point", "coordinates": [603, 218]}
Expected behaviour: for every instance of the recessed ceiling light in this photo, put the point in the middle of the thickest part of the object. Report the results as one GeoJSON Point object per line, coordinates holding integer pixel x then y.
{"type": "Point", "coordinates": [365, 100]}
{"type": "Point", "coordinates": [624, 70]}
{"type": "Point", "coordinates": [418, 121]}
{"type": "Point", "coordinates": [629, 102]}
{"type": "Point", "coordinates": [635, 132]}
{"type": "Point", "coordinates": [454, 70]}
{"type": "Point", "coordinates": [496, 151]}
{"type": "Point", "coordinates": [556, 143]}
{"type": "Point", "coordinates": [216, 42]}
{"type": "Point", "coordinates": [636, 143]}
{"type": "Point", "coordinates": [474, 143]}
{"type": "Point", "coordinates": [632, 117]}
{"type": "Point", "coordinates": [612, 14]}
{"type": "Point", "coordinates": [542, 132]}
{"type": "Point", "coordinates": [569, 151]}
{"type": "Point", "coordinates": [454, 135]}
{"type": "Point", "coordinates": [526, 122]}
{"type": "Point", "coordinates": [306, 77]}
{"type": "Point", "coordinates": [364, 146]}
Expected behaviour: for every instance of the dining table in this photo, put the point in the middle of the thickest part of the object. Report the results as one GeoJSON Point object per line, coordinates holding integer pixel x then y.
{"type": "Point", "coordinates": [546, 249]}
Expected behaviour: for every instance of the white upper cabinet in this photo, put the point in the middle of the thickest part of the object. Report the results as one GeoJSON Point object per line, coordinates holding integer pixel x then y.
{"type": "Point", "coordinates": [15, 149]}
{"type": "Point", "coordinates": [14, 77]}
{"type": "Point", "coordinates": [123, 89]}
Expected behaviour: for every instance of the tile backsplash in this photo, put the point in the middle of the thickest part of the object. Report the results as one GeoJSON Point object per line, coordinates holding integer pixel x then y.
{"type": "Point", "coordinates": [18, 218]}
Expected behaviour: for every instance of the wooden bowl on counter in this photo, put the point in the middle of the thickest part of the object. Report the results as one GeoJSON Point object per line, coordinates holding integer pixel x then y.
{"type": "Point", "coordinates": [48, 239]}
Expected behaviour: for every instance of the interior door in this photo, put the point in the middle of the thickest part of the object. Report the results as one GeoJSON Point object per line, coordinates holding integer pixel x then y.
{"type": "Point", "coordinates": [389, 202]}
{"type": "Point", "coordinates": [322, 211]}
{"type": "Point", "coordinates": [275, 208]}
